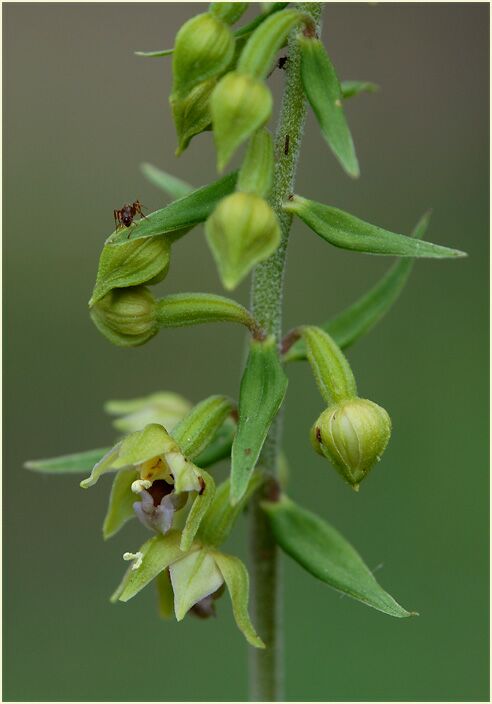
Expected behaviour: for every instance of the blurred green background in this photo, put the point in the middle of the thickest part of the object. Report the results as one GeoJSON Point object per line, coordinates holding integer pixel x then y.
{"type": "Point", "coordinates": [81, 112]}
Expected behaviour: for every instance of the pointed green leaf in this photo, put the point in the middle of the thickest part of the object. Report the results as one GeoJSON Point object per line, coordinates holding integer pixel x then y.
{"type": "Point", "coordinates": [121, 501]}
{"type": "Point", "coordinates": [325, 553]}
{"type": "Point", "coordinates": [157, 554]}
{"type": "Point", "coordinates": [197, 429]}
{"type": "Point", "coordinates": [79, 462]}
{"type": "Point", "coordinates": [237, 581]}
{"type": "Point", "coordinates": [359, 318]}
{"type": "Point", "coordinates": [180, 214]}
{"type": "Point", "coordinates": [199, 508]}
{"type": "Point", "coordinates": [173, 186]}
{"type": "Point", "coordinates": [220, 446]}
{"type": "Point", "coordinates": [324, 94]}
{"type": "Point", "coordinates": [352, 88]}
{"type": "Point", "coordinates": [348, 232]}
{"type": "Point", "coordinates": [331, 370]}
{"type": "Point", "coordinates": [193, 577]}
{"type": "Point", "coordinates": [263, 388]}
{"type": "Point", "coordinates": [165, 596]}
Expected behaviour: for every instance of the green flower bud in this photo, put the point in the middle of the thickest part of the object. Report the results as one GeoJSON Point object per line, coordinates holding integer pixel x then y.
{"type": "Point", "coordinates": [126, 316]}
{"type": "Point", "coordinates": [353, 435]}
{"type": "Point", "coordinates": [141, 261]}
{"type": "Point", "coordinates": [240, 104]}
{"type": "Point", "coordinates": [204, 48]}
{"type": "Point", "coordinates": [242, 231]}
{"type": "Point", "coordinates": [192, 113]}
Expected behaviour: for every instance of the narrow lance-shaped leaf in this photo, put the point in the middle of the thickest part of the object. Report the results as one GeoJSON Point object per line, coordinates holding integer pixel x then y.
{"type": "Point", "coordinates": [324, 94]}
{"type": "Point", "coordinates": [359, 318]}
{"type": "Point", "coordinates": [262, 391]}
{"type": "Point", "coordinates": [121, 501]}
{"type": "Point", "coordinates": [351, 88]}
{"type": "Point", "coordinates": [180, 214]}
{"type": "Point", "coordinates": [172, 185]}
{"type": "Point", "coordinates": [182, 309]}
{"type": "Point", "coordinates": [195, 432]}
{"type": "Point", "coordinates": [77, 463]}
{"type": "Point", "coordinates": [348, 232]}
{"type": "Point", "coordinates": [325, 553]}
{"type": "Point", "coordinates": [198, 510]}
{"type": "Point", "coordinates": [237, 582]}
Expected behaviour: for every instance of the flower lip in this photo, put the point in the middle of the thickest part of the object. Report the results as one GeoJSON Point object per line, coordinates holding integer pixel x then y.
{"type": "Point", "coordinates": [159, 489]}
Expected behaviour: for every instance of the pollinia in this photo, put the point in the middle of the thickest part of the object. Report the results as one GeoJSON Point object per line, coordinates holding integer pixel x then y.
{"type": "Point", "coordinates": [163, 461]}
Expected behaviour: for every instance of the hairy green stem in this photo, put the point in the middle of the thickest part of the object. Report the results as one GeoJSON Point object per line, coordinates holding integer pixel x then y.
{"type": "Point", "coordinates": [266, 675]}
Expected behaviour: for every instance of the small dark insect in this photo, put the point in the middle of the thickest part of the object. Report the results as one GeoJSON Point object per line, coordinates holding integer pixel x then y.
{"type": "Point", "coordinates": [124, 216]}
{"type": "Point", "coordinates": [282, 61]}
{"type": "Point", "coordinates": [286, 144]}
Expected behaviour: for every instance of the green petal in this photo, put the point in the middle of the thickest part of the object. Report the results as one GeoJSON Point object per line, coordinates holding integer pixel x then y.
{"type": "Point", "coordinates": [158, 553]}
{"type": "Point", "coordinates": [193, 577]}
{"type": "Point", "coordinates": [68, 464]}
{"type": "Point", "coordinates": [121, 501]}
{"type": "Point", "coordinates": [164, 408]}
{"type": "Point", "coordinates": [237, 580]}
{"type": "Point", "coordinates": [199, 508]}
{"type": "Point", "coordinates": [325, 553]}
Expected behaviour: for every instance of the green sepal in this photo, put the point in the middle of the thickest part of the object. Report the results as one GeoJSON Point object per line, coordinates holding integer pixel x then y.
{"type": "Point", "coordinates": [348, 232]}
{"type": "Point", "coordinates": [256, 173]}
{"type": "Point", "coordinates": [359, 318]}
{"type": "Point", "coordinates": [240, 105]}
{"type": "Point", "coordinates": [242, 231]}
{"type": "Point", "coordinates": [191, 113]}
{"type": "Point", "coordinates": [236, 578]}
{"type": "Point", "coordinates": [126, 316]}
{"type": "Point", "coordinates": [182, 214]}
{"type": "Point", "coordinates": [173, 186]}
{"type": "Point", "coordinates": [324, 94]}
{"type": "Point", "coordinates": [104, 465]}
{"type": "Point", "coordinates": [182, 309]}
{"type": "Point", "coordinates": [262, 46]}
{"type": "Point", "coordinates": [352, 88]}
{"type": "Point", "coordinates": [228, 12]}
{"type": "Point", "coordinates": [76, 463]}
{"type": "Point", "coordinates": [220, 446]}
{"type": "Point", "coordinates": [220, 519]}
{"type": "Point", "coordinates": [263, 388]}
{"type": "Point", "coordinates": [165, 596]}
{"type": "Point", "coordinates": [203, 49]}
{"type": "Point", "coordinates": [327, 555]}
{"type": "Point", "coordinates": [121, 501]}
{"type": "Point", "coordinates": [330, 367]}
{"type": "Point", "coordinates": [157, 554]}
{"type": "Point", "coordinates": [199, 508]}
{"type": "Point", "coordinates": [164, 407]}
{"type": "Point", "coordinates": [145, 261]}
{"type": "Point", "coordinates": [197, 429]}
{"type": "Point", "coordinates": [194, 576]}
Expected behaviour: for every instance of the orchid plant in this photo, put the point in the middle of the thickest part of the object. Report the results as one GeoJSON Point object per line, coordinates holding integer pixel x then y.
{"type": "Point", "coordinates": [163, 462]}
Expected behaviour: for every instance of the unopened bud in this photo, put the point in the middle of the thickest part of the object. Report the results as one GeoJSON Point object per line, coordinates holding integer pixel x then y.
{"type": "Point", "coordinates": [126, 316]}
{"type": "Point", "coordinates": [353, 435]}
{"type": "Point", "coordinates": [242, 231]}
{"type": "Point", "coordinates": [203, 49]}
{"type": "Point", "coordinates": [240, 104]}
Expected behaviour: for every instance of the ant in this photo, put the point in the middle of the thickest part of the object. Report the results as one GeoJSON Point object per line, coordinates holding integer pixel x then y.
{"type": "Point", "coordinates": [124, 216]}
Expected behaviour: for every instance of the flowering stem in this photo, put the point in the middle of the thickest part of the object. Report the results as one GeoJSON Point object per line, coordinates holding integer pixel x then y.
{"type": "Point", "coordinates": [266, 676]}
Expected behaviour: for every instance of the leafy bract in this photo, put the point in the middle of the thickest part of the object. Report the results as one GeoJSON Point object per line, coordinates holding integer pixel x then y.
{"type": "Point", "coordinates": [172, 185]}
{"type": "Point", "coordinates": [263, 387]}
{"type": "Point", "coordinates": [327, 555]}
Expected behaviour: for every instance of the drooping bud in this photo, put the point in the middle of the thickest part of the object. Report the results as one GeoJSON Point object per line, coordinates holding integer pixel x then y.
{"type": "Point", "coordinates": [142, 261]}
{"type": "Point", "coordinates": [240, 104]}
{"type": "Point", "coordinates": [353, 435]}
{"type": "Point", "coordinates": [126, 316]}
{"type": "Point", "coordinates": [204, 48]}
{"type": "Point", "coordinates": [191, 113]}
{"type": "Point", "coordinates": [242, 231]}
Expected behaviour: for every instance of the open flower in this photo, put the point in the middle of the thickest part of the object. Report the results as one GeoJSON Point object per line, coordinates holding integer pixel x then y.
{"type": "Point", "coordinates": [150, 464]}
{"type": "Point", "coordinates": [197, 577]}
